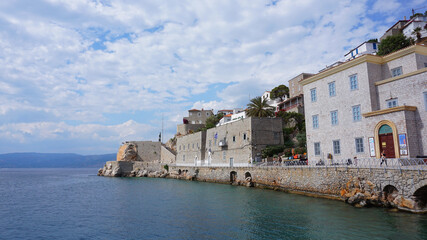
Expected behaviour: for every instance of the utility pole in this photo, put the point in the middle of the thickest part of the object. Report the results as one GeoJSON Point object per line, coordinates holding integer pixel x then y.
{"type": "Point", "coordinates": [162, 129]}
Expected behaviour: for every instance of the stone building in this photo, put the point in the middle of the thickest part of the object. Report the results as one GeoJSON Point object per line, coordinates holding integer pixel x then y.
{"type": "Point", "coordinates": [295, 102]}
{"type": "Point", "coordinates": [368, 105]}
{"type": "Point", "coordinates": [196, 119]}
{"type": "Point", "coordinates": [237, 143]}
{"type": "Point", "coordinates": [395, 29]}
{"type": "Point", "coordinates": [146, 151]}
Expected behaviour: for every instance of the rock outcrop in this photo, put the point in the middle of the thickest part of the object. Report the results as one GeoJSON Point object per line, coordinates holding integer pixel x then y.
{"type": "Point", "coordinates": [132, 169]}
{"type": "Point", "coordinates": [128, 152]}
{"type": "Point", "coordinates": [363, 193]}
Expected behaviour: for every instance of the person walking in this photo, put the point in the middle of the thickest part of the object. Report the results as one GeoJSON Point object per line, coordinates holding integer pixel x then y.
{"type": "Point", "coordinates": [383, 159]}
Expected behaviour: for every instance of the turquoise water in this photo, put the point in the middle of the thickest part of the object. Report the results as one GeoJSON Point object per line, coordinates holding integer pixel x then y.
{"type": "Point", "coordinates": [77, 204]}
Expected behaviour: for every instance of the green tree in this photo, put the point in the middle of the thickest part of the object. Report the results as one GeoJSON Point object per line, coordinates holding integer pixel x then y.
{"type": "Point", "coordinates": [270, 151]}
{"type": "Point", "coordinates": [393, 43]}
{"type": "Point", "coordinates": [302, 139]}
{"type": "Point", "coordinates": [279, 91]}
{"type": "Point", "coordinates": [417, 33]}
{"type": "Point", "coordinates": [292, 119]}
{"type": "Point", "coordinates": [258, 107]}
{"type": "Point", "coordinates": [213, 120]}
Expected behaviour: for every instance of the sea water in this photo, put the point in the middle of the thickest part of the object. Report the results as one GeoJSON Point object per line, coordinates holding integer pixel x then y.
{"type": "Point", "coordinates": [77, 204]}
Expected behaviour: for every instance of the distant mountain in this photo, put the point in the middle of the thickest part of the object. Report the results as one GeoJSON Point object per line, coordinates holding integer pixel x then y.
{"type": "Point", "coordinates": [53, 160]}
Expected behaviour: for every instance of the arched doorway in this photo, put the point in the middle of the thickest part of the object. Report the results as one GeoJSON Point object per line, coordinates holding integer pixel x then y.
{"type": "Point", "coordinates": [233, 176]}
{"type": "Point", "coordinates": [385, 135]}
{"type": "Point", "coordinates": [386, 139]}
{"type": "Point", "coordinates": [421, 197]}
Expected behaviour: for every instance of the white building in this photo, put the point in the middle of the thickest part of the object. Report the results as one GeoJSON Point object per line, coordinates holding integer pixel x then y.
{"type": "Point", "coordinates": [369, 47]}
{"type": "Point", "coordinates": [412, 24]}
{"type": "Point", "coordinates": [368, 105]}
{"type": "Point", "coordinates": [273, 102]}
{"type": "Point", "coordinates": [238, 114]}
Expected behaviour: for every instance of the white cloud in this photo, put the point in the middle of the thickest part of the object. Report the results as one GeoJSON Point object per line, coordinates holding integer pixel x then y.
{"type": "Point", "coordinates": [84, 60]}
{"type": "Point", "coordinates": [385, 6]}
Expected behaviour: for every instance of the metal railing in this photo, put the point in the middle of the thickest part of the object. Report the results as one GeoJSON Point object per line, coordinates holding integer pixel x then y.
{"type": "Point", "coordinates": [371, 163]}
{"type": "Point", "coordinates": [388, 163]}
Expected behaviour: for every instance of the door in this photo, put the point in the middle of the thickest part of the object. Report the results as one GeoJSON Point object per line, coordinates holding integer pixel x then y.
{"type": "Point", "coordinates": [387, 145]}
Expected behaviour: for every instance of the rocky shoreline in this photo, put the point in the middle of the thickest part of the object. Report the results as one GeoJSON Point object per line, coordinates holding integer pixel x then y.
{"type": "Point", "coordinates": [358, 192]}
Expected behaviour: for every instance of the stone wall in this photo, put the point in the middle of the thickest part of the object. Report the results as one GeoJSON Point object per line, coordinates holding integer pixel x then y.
{"type": "Point", "coordinates": [148, 151]}
{"type": "Point", "coordinates": [190, 148]}
{"type": "Point", "coordinates": [333, 182]}
{"type": "Point", "coordinates": [167, 156]}
{"type": "Point", "coordinates": [183, 129]}
{"type": "Point", "coordinates": [405, 189]}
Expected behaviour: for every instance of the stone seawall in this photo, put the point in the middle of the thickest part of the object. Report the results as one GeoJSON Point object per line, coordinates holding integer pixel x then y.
{"type": "Point", "coordinates": [359, 187]}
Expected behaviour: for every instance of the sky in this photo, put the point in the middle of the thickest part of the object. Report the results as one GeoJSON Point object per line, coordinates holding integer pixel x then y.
{"type": "Point", "coordinates": [83, 76]}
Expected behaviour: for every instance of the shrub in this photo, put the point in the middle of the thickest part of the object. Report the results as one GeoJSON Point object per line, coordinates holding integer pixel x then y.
{"type": "Point", "coordinates": [270, 151]}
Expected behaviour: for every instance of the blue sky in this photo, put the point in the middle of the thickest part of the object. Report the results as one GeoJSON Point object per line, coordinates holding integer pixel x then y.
{"type": "Point", "coordinates": [83, 76]}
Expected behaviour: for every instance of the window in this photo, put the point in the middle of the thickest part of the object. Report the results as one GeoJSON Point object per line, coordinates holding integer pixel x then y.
{"type": "Point", "coordinates": [188, 147]}
{"type": "Point", "coordinates": [313, 95]}
{"type": "Point", "coordinates": [356, 113]}
{"type": "Point", "coordinates": [396, 72]}
{"type": "Point", "coordinates": [199, 114]}
{"type": "Point", "coordinates": [193, 145]}
{"type": "Point", "coordinates": [331, 89]}
{"type": "Point", "coordinates": [234, 138]}
{"type": "Point", "coordinates": [336, 144]}
{"type": "Point", "coordinates": [315, 121]}
{"type": "Point", "coordinates": [183, 146]}
{"type": "Point", "coordinates": [359, 145]}
{"type": "Point", "coordinates": [183, 158]}
{"type": "Point", "coordinates": [207, 114]}
{"type": "Point", "coordinates": [334, 117]}
{"type": "Point", "coordinates": [317, 148]}
{"type": "Point", "coordinates": [179, 147]}
{"type": "Point", "coordinates": [210, 143]}
{"type": "Point", "coordinates": [244, 136]}
{"type": "Point", "coordinates": [223, 155]}
{"type": "Point", "coordinates": [353, 82]}
{"type": "Point", "coordinates": [392, 103]}
{"type": "Point", "coordinates": [425, 100]}
{"type": "Point", "coordinates": [197, 145]}
{"type": "Point", "coordinates": [425, 65]}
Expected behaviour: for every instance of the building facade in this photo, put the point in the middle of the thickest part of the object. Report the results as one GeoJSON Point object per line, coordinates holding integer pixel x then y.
{"type": "Point", "coordinates": [395, 29]}
{"type": "Point", "coordinates": [196, 119]}
{"type": "Point", "coordinates": [295, 102]}
{"type": "Point", "coordinates": [369, 47]}
{"type": "Point", "coordinates": [237, 143]}
{"type": "Point", "coordinates": [369, 105]}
